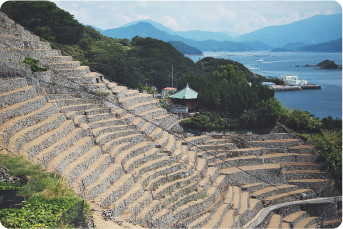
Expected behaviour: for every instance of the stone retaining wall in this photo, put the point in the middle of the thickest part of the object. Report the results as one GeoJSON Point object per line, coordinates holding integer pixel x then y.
{"type": "Point", "coordinates": [47, 140]}
{"type": "Point", "coordinates": [85, 164]}
{"type": "Point", "coordinates": [8, 99]}
{"type": "Point", "coordinates": [30, 119]}
{"type": "Point", "coordinates": [272, 176]}
{"type": "Point", "coordinates": [271, 144]}
{"type": "Point", "coordinates": [25, 108]}
{"type": "Point", "coordinates": [275, 136]}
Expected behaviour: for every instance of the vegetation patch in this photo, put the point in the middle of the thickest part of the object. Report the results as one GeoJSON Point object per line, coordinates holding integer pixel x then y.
{"type": "Point", "coordinates": [33, 64]}
{"type": "Point", "coordinates": [329, 143]}
{"type": "Point", "coordinates": [7, 186]}
{"type": "Point", "coordinates": [37, 212]}
{"type": "Point", "coordinates": [231, 97]}
{"type": "Point", "coordinates": [46, 194]}
{"type": "Point", "coordinates": [209, 121]}
{"type": "Point", "coordinates": [325, 135]}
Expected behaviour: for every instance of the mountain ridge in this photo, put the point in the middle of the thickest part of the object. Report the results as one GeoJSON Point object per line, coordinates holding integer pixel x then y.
{"type": "Point", "coordinates": [317, 29]}
{"type": "Point", "coordinates": [314, 30]}
{"type": "Point", "coordinates": [191, 34]}
{"type": "Point", "coordinates": [145, 29]}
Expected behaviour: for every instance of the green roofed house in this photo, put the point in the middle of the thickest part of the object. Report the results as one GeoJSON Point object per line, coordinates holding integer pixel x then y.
{"type": "Point", "coordinates": [186, 97]}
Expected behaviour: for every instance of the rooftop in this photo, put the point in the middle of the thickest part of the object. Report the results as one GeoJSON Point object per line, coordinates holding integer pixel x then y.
{"type": "Point", "coordinates": [186, 93]}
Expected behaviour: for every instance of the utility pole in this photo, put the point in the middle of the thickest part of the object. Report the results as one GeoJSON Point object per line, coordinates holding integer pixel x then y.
{"type": "Point", "coordinates": [172, 79]}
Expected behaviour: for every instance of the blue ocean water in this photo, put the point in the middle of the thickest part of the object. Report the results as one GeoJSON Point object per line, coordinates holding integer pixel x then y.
{"type": "Point", "coordinates": [320, 102]}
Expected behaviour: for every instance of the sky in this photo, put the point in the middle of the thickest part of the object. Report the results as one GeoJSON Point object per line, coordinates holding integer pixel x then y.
{"type": "Point", "coordinates": [234, 16]}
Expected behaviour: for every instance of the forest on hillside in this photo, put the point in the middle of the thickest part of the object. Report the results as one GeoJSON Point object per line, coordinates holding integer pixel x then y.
{"type": "Point", "coordinates": [135, 63]}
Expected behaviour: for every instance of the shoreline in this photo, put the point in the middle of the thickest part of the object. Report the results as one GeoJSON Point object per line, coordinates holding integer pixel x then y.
{"type": "Point", "coordinates": [277, 88]}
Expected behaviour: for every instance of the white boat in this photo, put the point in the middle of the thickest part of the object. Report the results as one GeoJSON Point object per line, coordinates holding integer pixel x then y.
{"type": "Point", "coordinates": [260, 60]}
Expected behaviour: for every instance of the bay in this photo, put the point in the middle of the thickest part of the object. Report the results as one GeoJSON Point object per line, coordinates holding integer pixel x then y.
{"type": "Point", "coordinates": [319, 102]}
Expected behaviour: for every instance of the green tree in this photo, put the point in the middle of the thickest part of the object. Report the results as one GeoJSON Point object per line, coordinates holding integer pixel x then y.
{"type": "Point", "coordinates": [231, 73]}
{"type": "Point", "coordinates": [45, 19]}
{"type": "Point", "coordinates": [227, 91]}
{"type": "Point", "coordinates": [264, 114]}
{"type": "Point", "coordinates": [300, 120]}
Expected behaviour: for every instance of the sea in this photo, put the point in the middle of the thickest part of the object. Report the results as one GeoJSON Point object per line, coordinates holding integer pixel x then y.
{"type": "Point", "coordinates": [322, 103]}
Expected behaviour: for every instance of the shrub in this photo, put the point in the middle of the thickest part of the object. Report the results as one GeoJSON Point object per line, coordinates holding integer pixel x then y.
{"type": "Point", "coordinates": [209, 121]}
{"type": "Point", "coordinates": [48, 196]}
{"type": "Point", "coordinates": [33, 64]}
{"type": "Point", "coordinates": [329, 143]}
{"type": "Point", "coordinates": [264, 114]}
{"type": "Point", "coordinates": [164, 106]}
{"type": "Point", "coordinates": [37, 212]}
{"type": "Point", "coordinates": [41, 183]}
{"type": "Point", "coordinates": [331, 124]}
{"type": "Point", "coordinates": [300, 120]}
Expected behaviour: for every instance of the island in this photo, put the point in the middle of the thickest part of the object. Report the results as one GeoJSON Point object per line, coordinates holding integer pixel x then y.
{"type": "Point", "coordinates": [325, 64]}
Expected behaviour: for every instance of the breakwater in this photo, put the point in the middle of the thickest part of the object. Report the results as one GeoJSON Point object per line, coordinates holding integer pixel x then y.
{"type": "Point", "coordinates": [295, 88]}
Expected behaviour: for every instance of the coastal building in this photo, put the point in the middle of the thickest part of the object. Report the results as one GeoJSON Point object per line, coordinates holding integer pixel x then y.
{"type": "Point", "coordinates": [293, 80]}
{"type": "Point", "coordinates": [270, 85]}
{"type": "Point", "coordinates": [186, 97]}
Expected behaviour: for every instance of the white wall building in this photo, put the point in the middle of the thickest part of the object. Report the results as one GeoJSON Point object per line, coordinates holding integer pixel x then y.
{"type": "Point", "coordinates": [271, 85]}
{"type": "Point", "coordinates": [293, 80]}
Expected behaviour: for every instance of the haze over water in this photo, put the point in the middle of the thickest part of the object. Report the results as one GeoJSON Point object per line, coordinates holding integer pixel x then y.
{"type": "Point", "coordinates": [322, 103]}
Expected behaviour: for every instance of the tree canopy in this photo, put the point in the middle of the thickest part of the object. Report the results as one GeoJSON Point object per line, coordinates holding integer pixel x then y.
{"type": "Point", "coordinates": [227, 91]}
{"type": "Point", "coordinates": [210, 64]}
{"type": "Point", "coordinates": [45, 19]}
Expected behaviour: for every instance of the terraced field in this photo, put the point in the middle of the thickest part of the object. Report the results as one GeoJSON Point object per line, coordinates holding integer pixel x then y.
{"type": "Point", "coordinates": [122, 152]}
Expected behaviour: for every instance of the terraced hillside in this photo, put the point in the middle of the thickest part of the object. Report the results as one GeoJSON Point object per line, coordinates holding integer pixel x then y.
{"type": "Point", "coordinates": [273, 168]}
{"type": "Point", "coordinates": [121, 151]}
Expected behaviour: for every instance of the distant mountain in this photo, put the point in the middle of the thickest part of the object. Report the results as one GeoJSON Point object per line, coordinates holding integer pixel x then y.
{"type": "Point", "coordinates": [142, 29]}
{"type": "Point", "coordinates": [218, 46]}
{"type": "Point", "coordinates": [193, 34]}
{"type": "Point", "coordinates": [280, 50]}
{"type": "Point", "coordinates": [294, 46]}
{"type": "Point", "coordinates": [231, 34]}
{"type": "Point", "coordinates": [185, 49]}
{"type": "Point", "coordinates": [259, 45]}
{"type": "Point", "coordinates": [331, 46]}
{"type": "Point", "coordinates": [145, 29]}
{"type": "Point", "coordinates": [153, 23]}
{"type": "Point", "coordinates": [317, 29]}
{"type": "Point", "coordinates": [203, 36]}
{"type": "Point", "coordinates": [291, 47]}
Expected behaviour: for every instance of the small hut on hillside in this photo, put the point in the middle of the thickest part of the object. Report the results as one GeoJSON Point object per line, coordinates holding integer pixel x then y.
{"type": "Point", "coordinates": [186, 97]}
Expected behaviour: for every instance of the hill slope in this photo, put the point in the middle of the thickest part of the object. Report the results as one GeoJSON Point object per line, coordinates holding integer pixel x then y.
{"type": "Point", "coordinates": [185, 49]}
{"type": "Point", "coordinates": [331, 46]}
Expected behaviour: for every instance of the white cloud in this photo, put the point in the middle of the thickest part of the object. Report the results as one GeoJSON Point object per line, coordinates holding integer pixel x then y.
{"type": "Point", "coordinates": [170, 21]}
{"type": "Point", "coordinates": [237, 16]}
{"type": "Point", "coordinates": [142, 17]}
{"type": "Point", "coordinates": [328, 11]}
